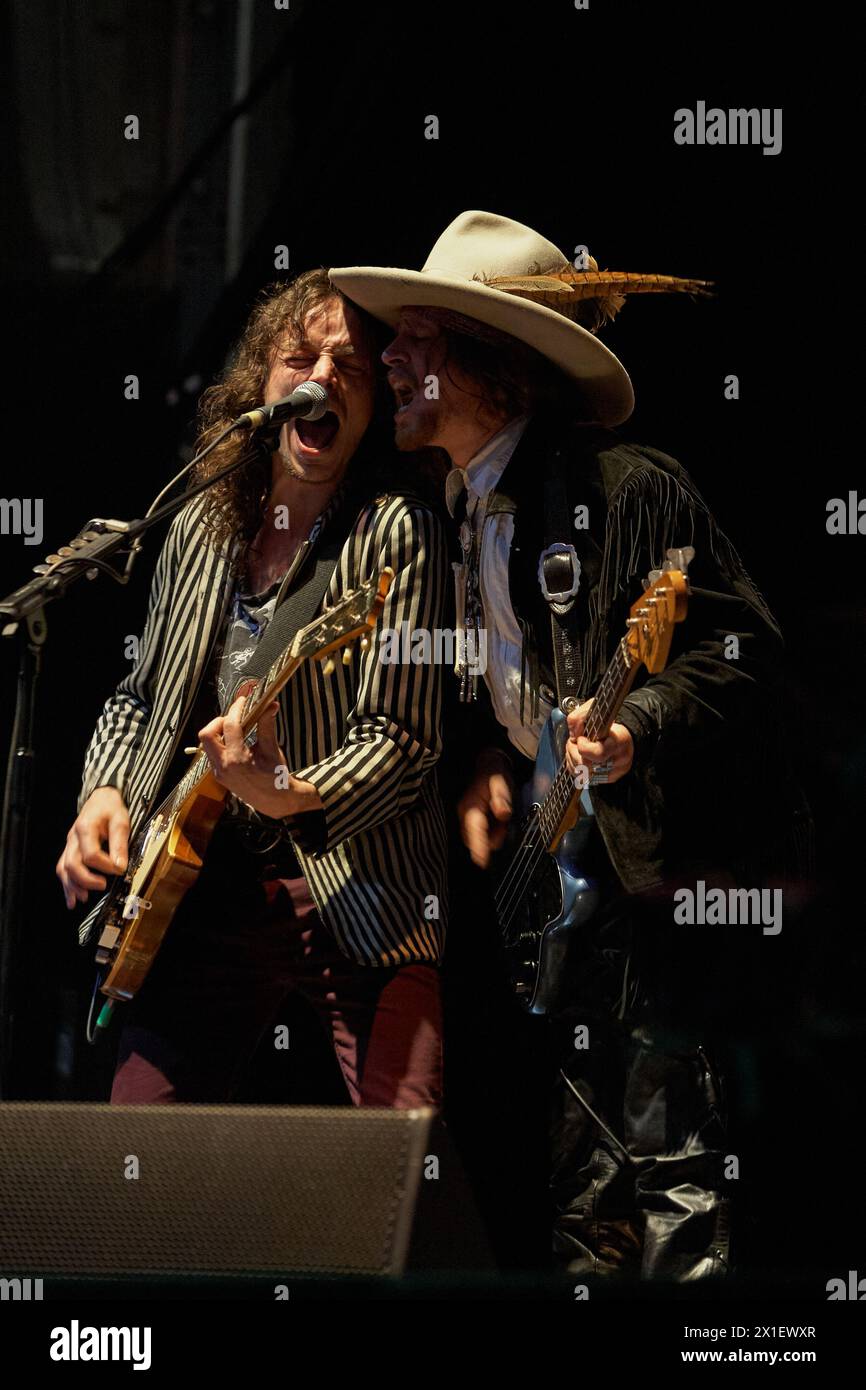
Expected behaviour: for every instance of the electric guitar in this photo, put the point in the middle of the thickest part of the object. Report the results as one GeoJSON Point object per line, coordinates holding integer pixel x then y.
{"type": "Point", "coordinates": [543, 898]}
{"type": "Point", "coordinates": [167, 854]}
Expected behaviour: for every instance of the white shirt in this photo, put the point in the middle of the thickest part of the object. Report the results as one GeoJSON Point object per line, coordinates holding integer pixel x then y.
{"type": "Point", "coordinates": [494, 535]}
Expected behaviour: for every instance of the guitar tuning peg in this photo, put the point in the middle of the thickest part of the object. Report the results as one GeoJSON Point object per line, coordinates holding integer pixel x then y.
{"type": "Point", "coordinates": [365, 643]}
{"type": "Point", "coordinates": [680, 558]}
{"type": "Point", "coordinates": [652, 577]}
{"type": "Point", "coordinates": [328, 666]}
{"type": "Point", "coordinates": [347, 654]}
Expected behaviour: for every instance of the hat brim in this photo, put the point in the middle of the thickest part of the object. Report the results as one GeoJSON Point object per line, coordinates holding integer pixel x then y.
{"type": "Point", "coordinates": [384, 291]}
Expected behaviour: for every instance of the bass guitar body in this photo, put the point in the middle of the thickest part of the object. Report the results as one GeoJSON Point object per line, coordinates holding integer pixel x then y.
{"type": "Point", "coordinates": [560, 899]}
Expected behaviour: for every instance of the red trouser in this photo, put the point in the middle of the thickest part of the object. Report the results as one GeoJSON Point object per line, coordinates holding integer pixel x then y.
{"type": "Point", "coordinates": [236, 948]}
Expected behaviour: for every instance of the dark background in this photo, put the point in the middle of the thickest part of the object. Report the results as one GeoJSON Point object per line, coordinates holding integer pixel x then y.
{"type": "Point", "coordinates": [119, 260]}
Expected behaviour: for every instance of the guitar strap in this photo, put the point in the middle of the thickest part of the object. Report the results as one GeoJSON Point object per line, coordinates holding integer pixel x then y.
{"type": "Point", "coordinates": [560, 571]}
{"type": "Point", "coordinates": [300, 606]}
{"type": "Point", "coordinates": [559, 576]}
{"type": "Point", "coordinates": [294, 612]}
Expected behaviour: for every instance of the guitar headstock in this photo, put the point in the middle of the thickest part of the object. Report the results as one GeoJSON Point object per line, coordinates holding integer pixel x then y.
{"type": "Point", "coordinates": [354, 616]}
{"type": "Point", "coordinates": [663, 603]}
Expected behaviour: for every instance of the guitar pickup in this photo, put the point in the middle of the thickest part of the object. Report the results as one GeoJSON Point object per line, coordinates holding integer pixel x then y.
{"type": "Point", "coordinates": [134, 906]}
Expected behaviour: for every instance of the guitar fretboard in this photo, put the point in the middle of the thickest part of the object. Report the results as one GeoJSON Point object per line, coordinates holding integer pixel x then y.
{"type": "Point", "coordinates": [352, 614]}
{"type": "Point", "coordinates": [611, 692]}
{"type": "Point", "coordinates": [199, 767]}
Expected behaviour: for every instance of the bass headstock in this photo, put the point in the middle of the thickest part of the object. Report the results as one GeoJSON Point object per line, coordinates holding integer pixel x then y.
{"type": "Point", "coordinates": [663, 603]}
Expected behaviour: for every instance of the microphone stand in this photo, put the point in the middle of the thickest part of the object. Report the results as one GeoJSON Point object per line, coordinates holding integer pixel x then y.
{"type": "Point", "coordinates": [23, 611]}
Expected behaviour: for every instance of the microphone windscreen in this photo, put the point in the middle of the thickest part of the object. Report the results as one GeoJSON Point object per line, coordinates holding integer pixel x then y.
{"type": "Point", "coordinates": [318, 400]}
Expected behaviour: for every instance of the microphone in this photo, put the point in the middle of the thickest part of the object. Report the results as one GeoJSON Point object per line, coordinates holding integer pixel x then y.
{"type": "Point", "coordinates": [308, 402]}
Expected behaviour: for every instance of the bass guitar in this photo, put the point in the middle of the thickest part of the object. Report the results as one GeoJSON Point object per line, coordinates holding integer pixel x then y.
{"type": "Point", "coordinates": [544, 898]}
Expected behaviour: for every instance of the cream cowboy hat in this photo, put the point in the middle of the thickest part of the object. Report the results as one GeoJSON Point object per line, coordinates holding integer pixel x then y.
{"type": "Point", "coordinates": [504, 274]}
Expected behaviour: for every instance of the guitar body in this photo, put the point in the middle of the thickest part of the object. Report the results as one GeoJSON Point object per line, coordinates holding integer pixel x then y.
{"type": "Point", "coordinates": [560, 900]}
{"type": "Point", "coordinates": [164, 864]}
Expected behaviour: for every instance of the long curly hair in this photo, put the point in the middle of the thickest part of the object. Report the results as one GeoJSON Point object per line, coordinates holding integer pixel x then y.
{"type": "Point", "coordinates": [234, 509]}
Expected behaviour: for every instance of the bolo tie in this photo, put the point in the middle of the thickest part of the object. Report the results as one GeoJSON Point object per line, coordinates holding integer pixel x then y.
{"type": "Point", "coordinates": [473, 614]}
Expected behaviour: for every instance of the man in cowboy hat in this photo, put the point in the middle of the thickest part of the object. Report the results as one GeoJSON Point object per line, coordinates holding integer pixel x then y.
{"type": "Point", "coordinates": [496, 361]}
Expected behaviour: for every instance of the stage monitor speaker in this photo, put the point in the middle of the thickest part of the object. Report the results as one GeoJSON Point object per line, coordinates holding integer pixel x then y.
{"type": "Point", "coordinates": [97, 1191]}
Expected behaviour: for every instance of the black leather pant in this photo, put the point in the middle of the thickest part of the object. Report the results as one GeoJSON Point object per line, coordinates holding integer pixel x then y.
{"type": "Point", "coordinates": [637, 1172]}
{"type": "Point", "coordinates": [638, 1131]}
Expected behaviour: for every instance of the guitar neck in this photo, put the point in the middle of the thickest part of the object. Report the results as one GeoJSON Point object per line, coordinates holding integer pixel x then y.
{"type": "Point", "coordinates": [258, 700]}
{"type": "Point", "coordinates": [615, 685]}
{"type": "Point", "coordinates": [279, 675]}
{"type": "Point", "coordinates": [613, 688]}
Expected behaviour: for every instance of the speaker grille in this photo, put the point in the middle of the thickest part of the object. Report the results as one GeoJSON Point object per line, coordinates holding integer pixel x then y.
{"type": "Point", "coordinates": [221, 1189]}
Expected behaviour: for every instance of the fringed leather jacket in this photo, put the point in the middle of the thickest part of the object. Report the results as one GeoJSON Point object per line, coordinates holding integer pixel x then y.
{"type": "Point", "coordinates": [711, 791]}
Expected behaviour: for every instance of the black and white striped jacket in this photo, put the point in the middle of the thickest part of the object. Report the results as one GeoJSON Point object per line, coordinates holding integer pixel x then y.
{"type": "Point", "coordinates": [367, 736]}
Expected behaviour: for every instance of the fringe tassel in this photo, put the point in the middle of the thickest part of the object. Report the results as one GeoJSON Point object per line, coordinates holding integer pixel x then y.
{"type": "Point", "coordinates": [803, 846]}
{"type": "Point", "coordinates": [529, 661]}
{"type": "Point", "coordinates": [650, 512]}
